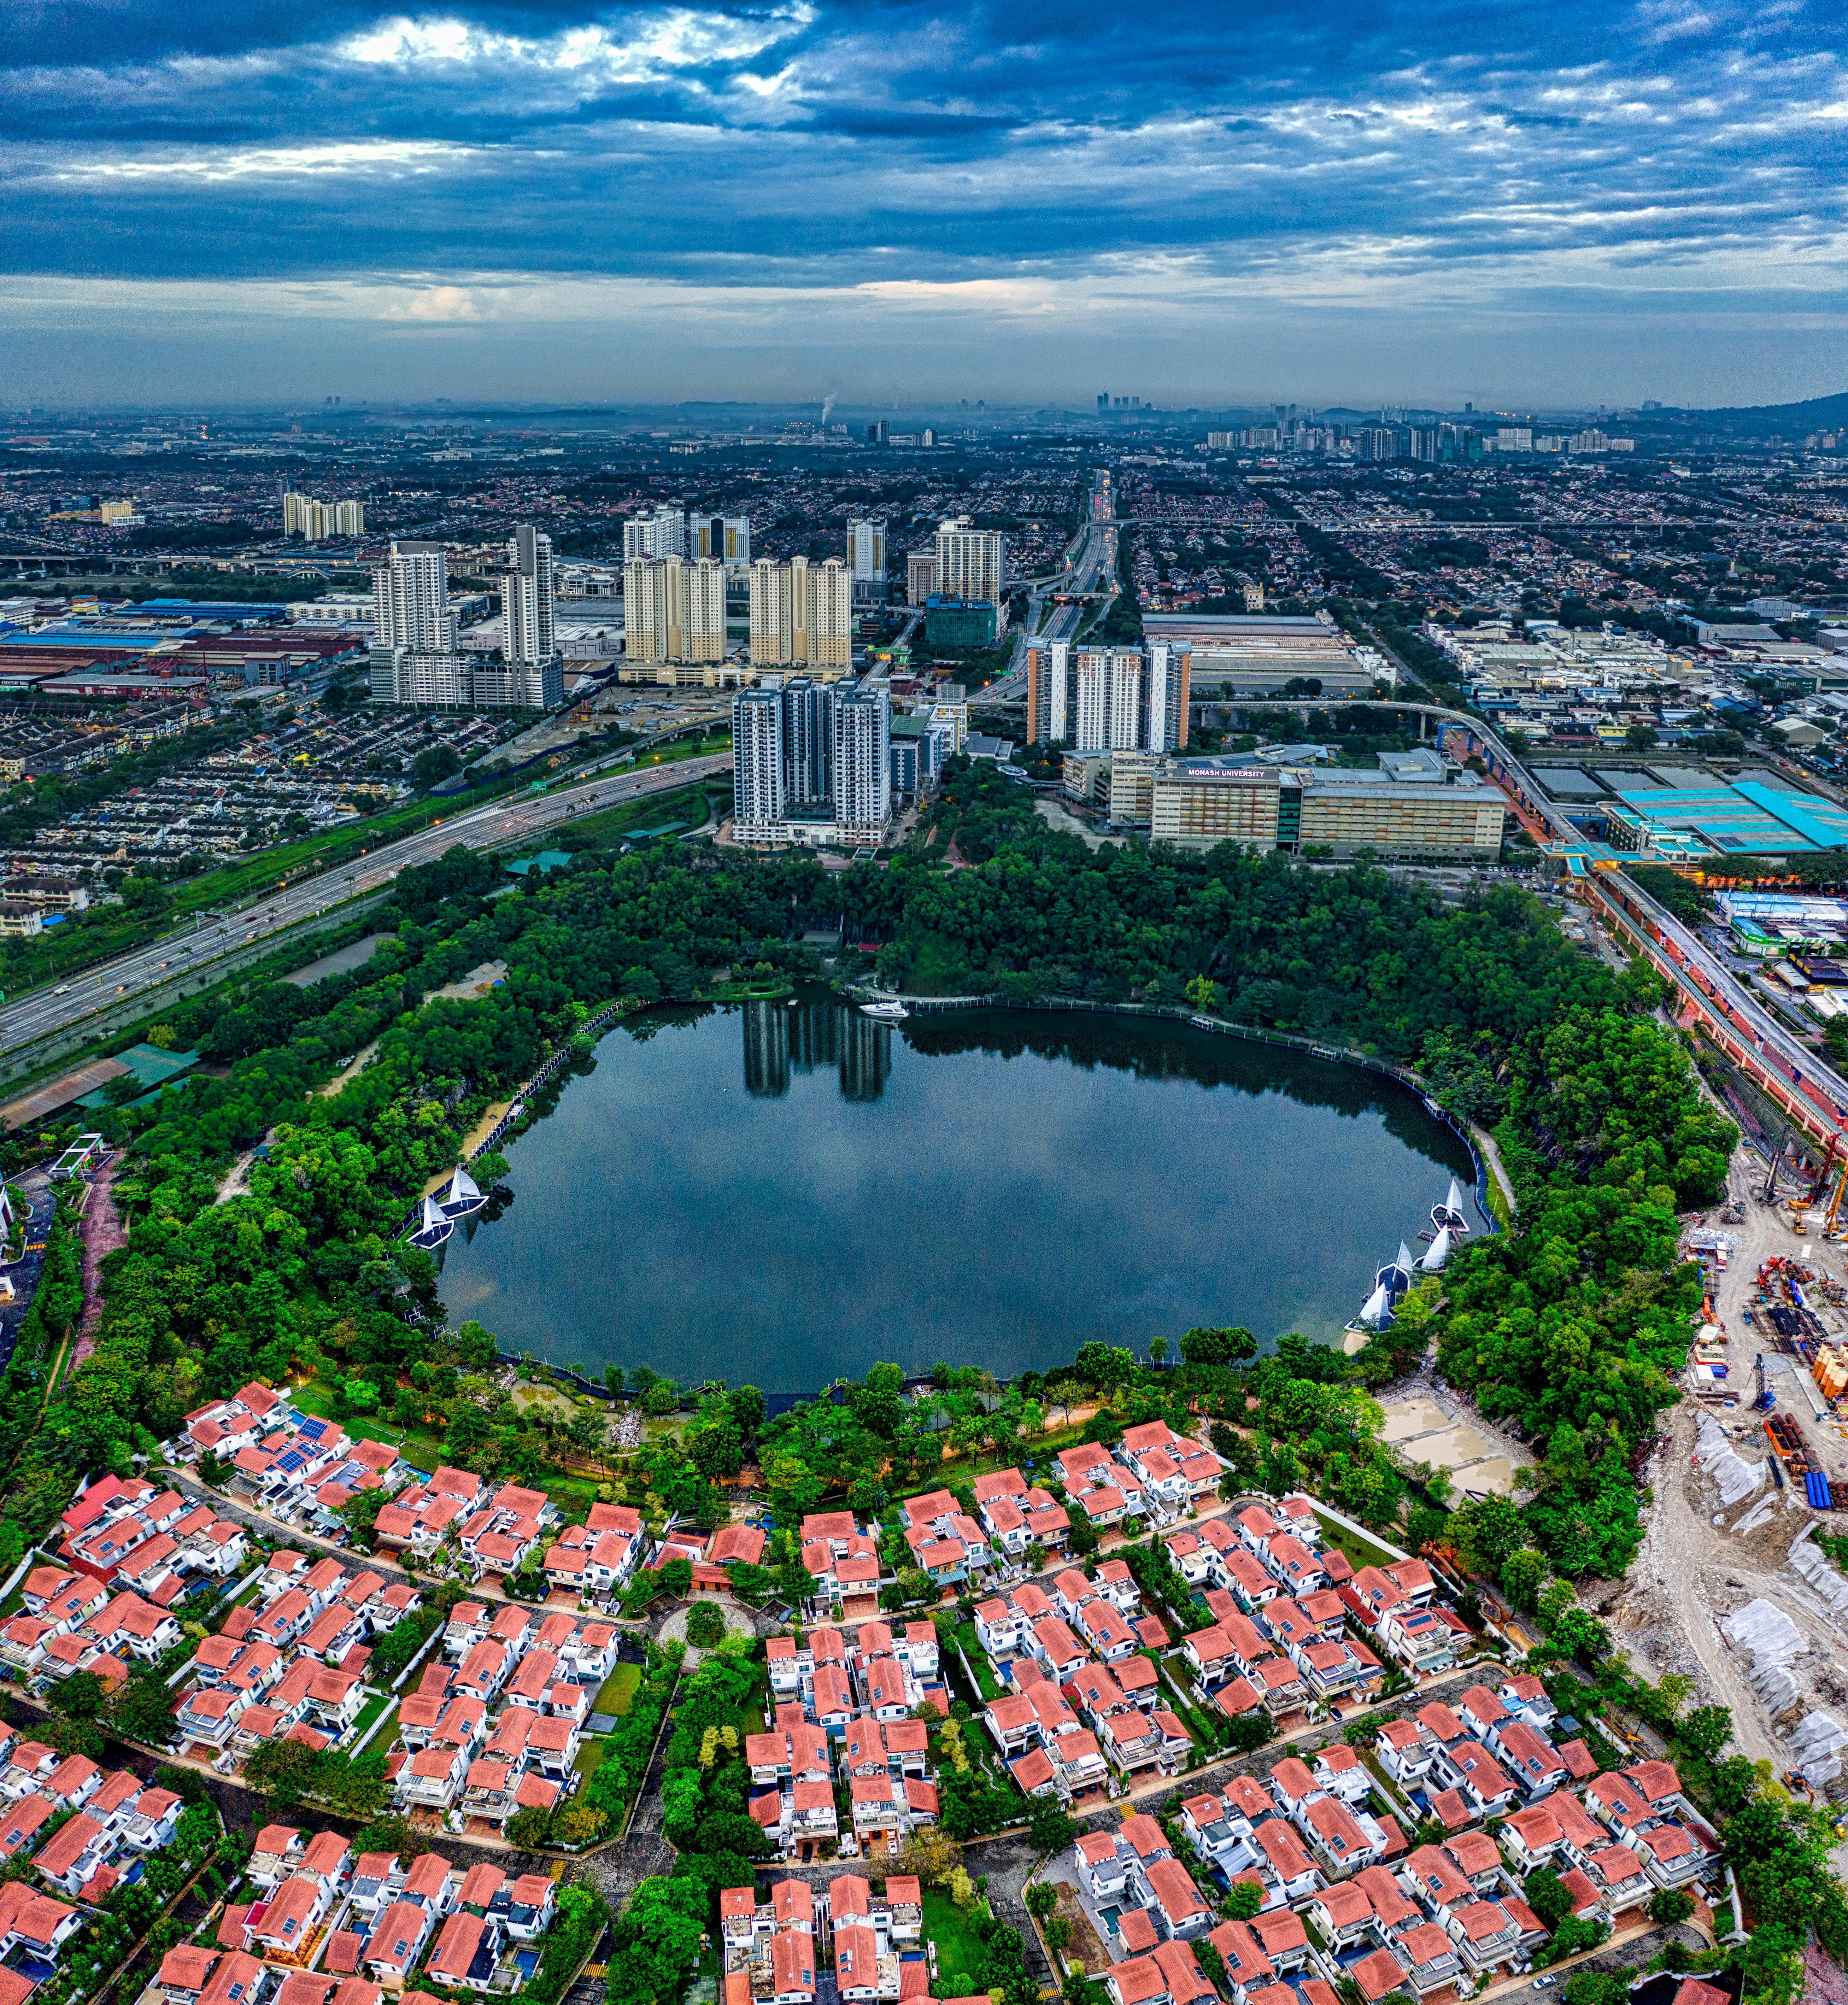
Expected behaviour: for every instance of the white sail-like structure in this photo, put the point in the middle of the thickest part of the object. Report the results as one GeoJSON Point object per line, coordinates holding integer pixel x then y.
{"type": "Point", "coordinates": [464, 1196]}
{"type": "Point", "coordinates": [1436, 1253]}
{"type": "Point", "coordinates": [436, 1227]}
{"type": "Point", "coordinates": [1453, 1205]}
{"type": "Point", "coordinates": [1379, 1310]}
{"type": "Point", "coordinates": [1395, 1276]}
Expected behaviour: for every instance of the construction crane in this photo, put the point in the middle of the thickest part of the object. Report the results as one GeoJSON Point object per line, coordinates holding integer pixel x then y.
{"type": "Point", "coordinates": [1821, 1182]}
{"type": "Point", "coordinates": [1834, 1204]}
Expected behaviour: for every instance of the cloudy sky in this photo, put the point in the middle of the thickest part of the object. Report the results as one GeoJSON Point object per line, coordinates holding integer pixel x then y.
{"type": "Point", "coordinates": [1407, 200]}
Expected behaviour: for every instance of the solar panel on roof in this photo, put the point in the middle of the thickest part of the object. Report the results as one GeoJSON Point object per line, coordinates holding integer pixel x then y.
{"type": "Point", "coordinates": [292, 1459]}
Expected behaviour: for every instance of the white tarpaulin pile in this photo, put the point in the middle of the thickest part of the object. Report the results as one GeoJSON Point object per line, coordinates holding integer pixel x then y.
{"type": "Point", "coordinates": [1813, 1749]}
{"type": "Point", "coordinates": [1821, 1571]}
{"type": "Point", "coordinates": [1770, 1640]}
{"type": "Point", "coordinates": [1736, 1477]}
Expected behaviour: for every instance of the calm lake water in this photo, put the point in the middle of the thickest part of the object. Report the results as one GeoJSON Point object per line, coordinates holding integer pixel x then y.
{"type": "Point", "coordinates": [778, 1196]}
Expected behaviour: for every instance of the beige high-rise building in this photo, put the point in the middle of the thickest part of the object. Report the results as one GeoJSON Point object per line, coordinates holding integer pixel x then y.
{"type": "Point", "coordinates": [830, 615]}
{"type": "Point", "coordinates": [655, 613]}
{"type": "Point", "coordinates": [801, 607]}
{"type": "Point", "coordinates": [970, 563]}
{"type": "Point", "coordinates": [772, 638]}
{"type": "Point", "coordinates": [705, 610]}
{"type": "Point", "coordinates": [801, 614]}
{"type": "Point", "coordinates": [920, 576]}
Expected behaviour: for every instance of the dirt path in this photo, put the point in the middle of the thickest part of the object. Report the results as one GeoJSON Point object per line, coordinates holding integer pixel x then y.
{"type": "Point", "coordinates": [103, 1232]}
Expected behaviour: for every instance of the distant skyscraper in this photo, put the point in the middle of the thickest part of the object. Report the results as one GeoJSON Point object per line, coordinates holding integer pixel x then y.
{"type": "Point", "coordinates": [830, 615]}
{"type": "Point", "coordinates": [410, 600]}
{"type": "Point", "coordinates": [866, 549]}
{"type": "Point", "coordinates": [808, 744]}
{"type": "Point", "coordinates": [862, 766]}
{"type": "Point", "coordinates": [725, 537]}
{"type": "Point", "coordinates": [662, 534]}
{"type": "Point", "coordinates": [527, 599]}
{"type": "Point", "coordinates": [1050, 696]}
{"type": "Point", "coordinates": [801, 614]}
{"type": "Point", "coordinates": [314, 521]}
{"type": "Point", "coordinates": [654, 609]}
{"type": "Point", "coordinates": [970, 563]}
{"type": "Point", "coordinates": [759, 796]}
{"type": "Point", "coordinates": [1108, 699]}
{"type": "Point", "coordinates": [705, 610]}
{"type": "Point", "coordinates": [920, 577]}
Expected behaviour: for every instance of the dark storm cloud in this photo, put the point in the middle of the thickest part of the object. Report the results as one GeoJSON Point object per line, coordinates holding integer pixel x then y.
{"type": "Point", "coordinates": [1331, 154]}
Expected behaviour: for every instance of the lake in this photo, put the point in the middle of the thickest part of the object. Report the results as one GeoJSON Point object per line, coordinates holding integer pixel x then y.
{"type": "Point", "coordinates": [780, 1196]}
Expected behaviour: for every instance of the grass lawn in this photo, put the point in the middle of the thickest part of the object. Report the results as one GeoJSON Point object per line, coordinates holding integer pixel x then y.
{"type": "Point", "coordinates": [959, 1955]}
{"type": "Point", "coordinates": [316, 1398]}
{"type": "Point", "coordinates": [619, 1690]}
{"type": "Point", "coordinates": [1359, 1552]}
{"type": "Point", "coordinates": [590, 1755]}
{"type": "Point", "coordinates": [369, 1712]}
{"type": "Point", "coordinates": [687, 804]}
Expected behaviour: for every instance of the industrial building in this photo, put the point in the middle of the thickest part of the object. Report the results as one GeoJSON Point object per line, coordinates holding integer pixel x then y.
{"type": "Point", "coordinates": [1236, 655]}
{"type": "Point", "coordinates": [1741, 817]}
{"type": "Point", "coordinates": [1299, 809]}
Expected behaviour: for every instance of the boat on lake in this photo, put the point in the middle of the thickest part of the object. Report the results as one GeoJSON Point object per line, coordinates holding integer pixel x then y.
{"type": "Point", "coordinates": [1448, 1216]}
{"type": "Point", "coordinates": [891, 1011]}
{"type": "Point", "coordinates": [1395, 1276]}
{"type": "Point", "coordinates": [436, 1227]}
{"type": "Point", "coordinates": [464, 1198]}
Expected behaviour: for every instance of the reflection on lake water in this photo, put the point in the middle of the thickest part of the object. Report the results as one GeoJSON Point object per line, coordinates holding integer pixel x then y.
{"type": "Point", "coordinates": [784, 1195]}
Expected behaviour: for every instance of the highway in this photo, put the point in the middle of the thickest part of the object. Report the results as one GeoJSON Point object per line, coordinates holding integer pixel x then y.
{"type": "Point", "coordinates": [189, 954]}
{"type": "Point", "coordinates": [1796, 1076]}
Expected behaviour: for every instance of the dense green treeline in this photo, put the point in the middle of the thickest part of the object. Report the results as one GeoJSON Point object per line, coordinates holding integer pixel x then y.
{"type": "Point", "coordinates": [1578, 1322]}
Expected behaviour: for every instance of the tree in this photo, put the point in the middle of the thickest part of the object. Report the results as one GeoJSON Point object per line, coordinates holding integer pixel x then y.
{"type": "Point", "coordinates": [81, 1696]}
{"type": "Point", "coordinates": [1706, 1730]}
{"type": "Point", "coordinates": [1522, 1573]}
{"type": "Point", "coordinates": [1049, 1828]}
{"type": "Point", "coordinates": [932, 1855]}
{"type": "Point", "coordinates": [392, 1835]}
{"type": "Point", "coordinates": [432, 767]}
{"type": "Point", "coordinates": [1233, 1345]}
{"type": "Point", "coordinates": [1249, 1731]}
{"type": "Point", "coordinates": [1670, 1904]}
{"type": "Point", "coordinates": [1245, 1902]}
{"type": "Point", "coordinates": [1103, 1366]}
{"type": "Point", "coordinates": [1547, 1895]}
{"type": "Point", "coordinates": [141, 1709]}
{"type": "Point", "coordinates": [1213, 1965]}
{"type": "Point", "coordinates": [530, 1828]}
{"type": "Point", "coordinates": [283, 1771]}
{"type": "Point", "coordinates": [1043, 1898]}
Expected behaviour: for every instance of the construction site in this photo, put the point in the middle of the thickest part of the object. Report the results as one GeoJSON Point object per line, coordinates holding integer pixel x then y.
{"type": "Point", "coordinates": [1732, 1589]}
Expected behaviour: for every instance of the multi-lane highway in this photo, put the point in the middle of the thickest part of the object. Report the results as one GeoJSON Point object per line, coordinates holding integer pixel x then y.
{"type": "Point", "coordinates": [186, 957]}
